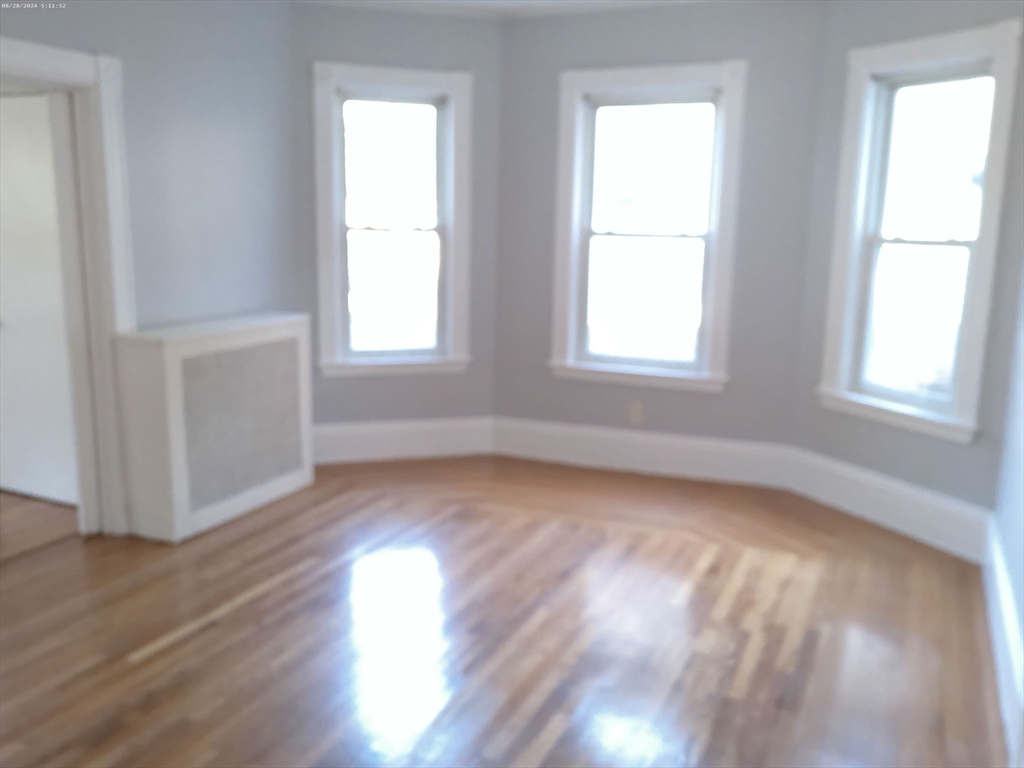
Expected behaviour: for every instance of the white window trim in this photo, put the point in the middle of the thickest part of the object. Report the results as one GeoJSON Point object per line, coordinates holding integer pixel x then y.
{"type": "Point", "coordinates": [456, 88]}
{"type": "Point", "coordinates": [722, 82]}
{"type": "Point", "coordinates": [990, 50]}
{"type": "Point", "coordinates": [640, 375]}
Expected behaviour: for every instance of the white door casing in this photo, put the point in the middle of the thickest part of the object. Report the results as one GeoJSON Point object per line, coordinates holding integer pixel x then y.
{"type": "Point", "coordinates": [96, 255]}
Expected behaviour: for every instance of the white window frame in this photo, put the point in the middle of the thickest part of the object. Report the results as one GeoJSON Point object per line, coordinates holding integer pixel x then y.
{"type": "Point", "coordinates": [874, 73]}
{"type": "Point", "coordinates": [452, 92]}
{"type": "Point", "coordinates": [582, 91]}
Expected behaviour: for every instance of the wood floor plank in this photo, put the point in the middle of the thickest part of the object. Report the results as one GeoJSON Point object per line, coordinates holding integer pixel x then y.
{"type": "Point", "coordinates": [27, 523]}
{"type": "Point", "coordinates": [489, 611]}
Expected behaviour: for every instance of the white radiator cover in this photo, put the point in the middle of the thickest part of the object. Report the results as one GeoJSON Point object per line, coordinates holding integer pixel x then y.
{"type": "Point", "coordinates": [217, 420]}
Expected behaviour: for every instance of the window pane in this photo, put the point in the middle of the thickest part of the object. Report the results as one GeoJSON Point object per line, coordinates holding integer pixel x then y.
{"type": "Point", "coordinates": [644, 297]}
{"type": "Point", "coordinates": [917, 298]}
{"type": "Point", "coordinates": [390, 165]}
{"type": "Point", "coordinates": [392, 290]}
{"type": "Point", "coordinates": [937, 160]}
{"type": "Point", "coordinates": [652, 168]}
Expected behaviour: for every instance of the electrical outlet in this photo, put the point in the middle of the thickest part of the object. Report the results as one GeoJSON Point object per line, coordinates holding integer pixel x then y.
{"type": "Point", "coordinates": [635, 412]}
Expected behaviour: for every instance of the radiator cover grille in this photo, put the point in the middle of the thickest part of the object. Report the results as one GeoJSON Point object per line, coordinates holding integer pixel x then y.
{"type": "Point", "coordinates": [242, 419]}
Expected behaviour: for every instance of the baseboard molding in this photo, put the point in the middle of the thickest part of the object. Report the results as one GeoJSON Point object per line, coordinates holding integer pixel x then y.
{"type": "Point", "coordinates": [651, 453]}
{"type": "Point", "coordinates": [389, 440]}
{"type": "Point", "coordinates": [1007, 634]}
{"type": "Point", "coordinates": [936, 519]}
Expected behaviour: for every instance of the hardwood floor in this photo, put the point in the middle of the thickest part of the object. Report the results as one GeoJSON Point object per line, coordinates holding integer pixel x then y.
{"type": "Point", "coordinates": [498, 612]}
{"type": "Point", "coordinates": [27, 523]}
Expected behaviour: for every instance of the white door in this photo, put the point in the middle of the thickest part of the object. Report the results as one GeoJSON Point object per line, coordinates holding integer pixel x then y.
{"type": "Point", "coordinates": [37, 434]}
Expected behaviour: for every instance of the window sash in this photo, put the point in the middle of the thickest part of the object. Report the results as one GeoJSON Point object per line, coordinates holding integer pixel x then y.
{"type": "Point", "coordinates": [938, 398]}
{"type": "Point", "coordinates": [585, 233]}
{"type": "Point", "coordinates": [582, 341]}
{"type": "Point", "coordinates": [441, 348]}
{"type": "Point", "coordinates": [366, 355]}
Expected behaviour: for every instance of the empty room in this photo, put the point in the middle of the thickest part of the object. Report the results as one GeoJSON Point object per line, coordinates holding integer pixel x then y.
{"type": "Point", "coordinates": [511, 383]}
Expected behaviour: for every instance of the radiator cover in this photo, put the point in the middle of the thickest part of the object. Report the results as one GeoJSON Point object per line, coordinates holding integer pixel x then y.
{"type": "Point", "coordinates": [217, 420]}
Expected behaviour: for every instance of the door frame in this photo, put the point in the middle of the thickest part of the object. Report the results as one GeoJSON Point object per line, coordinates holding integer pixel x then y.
{"type": "Point", "coordinates": [96, 256]}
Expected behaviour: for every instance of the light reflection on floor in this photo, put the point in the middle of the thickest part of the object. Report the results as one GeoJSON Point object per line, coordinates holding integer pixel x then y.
{"type": "Point", "coordinates": [627, 740]}
{"type": "Point", "coordinates": [398, 621]}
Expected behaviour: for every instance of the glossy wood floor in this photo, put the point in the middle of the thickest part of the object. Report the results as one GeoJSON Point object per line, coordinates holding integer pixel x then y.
{"type": "Point", "coordinates": [495, 612]}
{"type": "Point", "coordinates": [27, 522]}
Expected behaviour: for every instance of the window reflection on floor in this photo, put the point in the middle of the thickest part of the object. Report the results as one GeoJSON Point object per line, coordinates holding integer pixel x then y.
{"type": "Point", "coordinates": [627, 740]}
{"type": "Point", "coordinates": [398, 633]}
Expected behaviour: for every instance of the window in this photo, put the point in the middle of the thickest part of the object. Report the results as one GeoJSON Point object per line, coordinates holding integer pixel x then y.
{"type": "Point", "coordinates": [924, 151]}
{"type": "Point", "coordinates": [647, 187]}
{"type": "Point", "coordinates": [392, 153]}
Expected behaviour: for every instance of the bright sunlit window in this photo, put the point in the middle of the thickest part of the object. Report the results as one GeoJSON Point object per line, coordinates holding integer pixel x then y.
{"type": "Point", "coordinates": [644, 256]}
{"type": "Point", "coordinates": [652, 177]}
{"type": "Point", "coordinates": [394, 253]}
{"type": "Point", "coordinates": [917, 219]}
{"type": "Point", "coordinates": [393, 209]}
{"type": "Point", "coordinates": [931, 209]}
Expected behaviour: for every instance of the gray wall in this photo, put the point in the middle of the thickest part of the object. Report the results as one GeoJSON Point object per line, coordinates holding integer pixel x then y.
{"type": "Point", "coordinates": [217, 99]}
{"type": "Point", "coordinates": [206, 125]}
{"type": "Point", "coordinates": [795, 91]}
{"type": "Point", "coordinates": [219, 135]}
{"type": "Point", "coordinates": [1009, 517]}
{"type": "Point", "coordinates": [781, 42]}
{"type": "Point", "coordinates": [968, 472]}
{"type": "Point", "coordinates": [320, 32]}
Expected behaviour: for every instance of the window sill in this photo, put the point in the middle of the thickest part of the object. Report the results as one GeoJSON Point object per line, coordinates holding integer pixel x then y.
{"type": "Point", "coordinates": [395, 366]}
{"type": "Point", "coordinates": [643, 376]}
{"type": "Point", "coordinates": [899, 415]}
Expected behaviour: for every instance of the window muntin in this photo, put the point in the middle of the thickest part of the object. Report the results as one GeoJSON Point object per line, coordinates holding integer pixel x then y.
{"type": "Point", "coordinates": [649, 216]}
{"type": "Point", "coordinates": [931, 177]}
{"type": "Point", "coordinates": [393, 246]}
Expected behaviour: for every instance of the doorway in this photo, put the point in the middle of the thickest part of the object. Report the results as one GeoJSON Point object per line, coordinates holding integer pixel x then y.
{"type": "Point", "coordinates": [61, 389]}
{"type": "Point", "coordinates": [39, 478]}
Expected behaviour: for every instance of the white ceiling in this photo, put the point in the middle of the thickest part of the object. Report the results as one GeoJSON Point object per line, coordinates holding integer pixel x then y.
{"type": "Point", "coordinates": [504, 9]}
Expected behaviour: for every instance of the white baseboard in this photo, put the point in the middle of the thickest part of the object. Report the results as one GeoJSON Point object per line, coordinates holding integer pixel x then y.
{"type": "Point", "coordinates": [937, 519]}
{"type": "Point", "coordinates": [1007, 633]}
{"type": "Point", "coordinates": [652, 453]}
{"type": "Point", "coordinates": [933, 518]}
{"type": "Point", "coordinates": [389, 440]}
